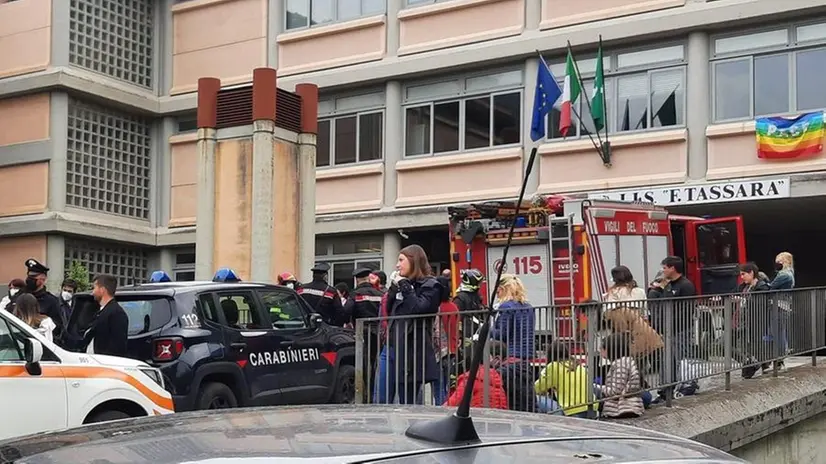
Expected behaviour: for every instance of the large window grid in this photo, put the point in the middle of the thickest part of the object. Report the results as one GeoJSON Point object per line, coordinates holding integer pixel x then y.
{"type": "Point", "coordinates": [756, 74]}
{"type": "Point", "coordinates": [473, 113]}
{"type": "Point", "coordinates": [350, 139]}
{"type": "Point", "coordinates": [301, 14]}
{"type": "Point", "coordinates": [113, 38]}
{"type": "Point", "coordinates": [346, 254]}
{"type": "Point", "coordinates": [107, 161]}
{"type": "Point", "coordinates": [128, 264]}
{"type": "Point", "coordinates": [644, 90]}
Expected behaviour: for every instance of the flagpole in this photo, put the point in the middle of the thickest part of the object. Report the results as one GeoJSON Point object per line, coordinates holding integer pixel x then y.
{"type": "Point", "coordinates": [596, 147]}
{"type": "Point", "coordinates": [587, 100]}
{"type": "Point", "coordinates": [606, 152]}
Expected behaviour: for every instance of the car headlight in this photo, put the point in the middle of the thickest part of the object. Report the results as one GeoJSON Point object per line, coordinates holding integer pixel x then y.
{"type": "Point", "coordinates": [154, 374]}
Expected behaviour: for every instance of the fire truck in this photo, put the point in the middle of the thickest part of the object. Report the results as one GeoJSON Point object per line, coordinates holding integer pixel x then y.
{"type": "Point", "coordinates": [563, 250]}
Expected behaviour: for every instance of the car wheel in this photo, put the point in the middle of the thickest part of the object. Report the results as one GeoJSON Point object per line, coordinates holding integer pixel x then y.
{"type": "Point", "coordinates": [216, 395]}
{"type": "Point", "coordinates": [345, 389]}
{"type": "Point", "coordinates": [106, 416]}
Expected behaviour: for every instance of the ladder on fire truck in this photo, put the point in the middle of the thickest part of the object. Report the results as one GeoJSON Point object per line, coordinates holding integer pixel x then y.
{"type": "Point", "coordinates": [562, 269]}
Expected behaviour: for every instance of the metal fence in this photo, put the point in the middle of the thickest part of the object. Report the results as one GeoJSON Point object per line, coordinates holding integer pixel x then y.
{"type": "Point", "coordinates": [588, 359]}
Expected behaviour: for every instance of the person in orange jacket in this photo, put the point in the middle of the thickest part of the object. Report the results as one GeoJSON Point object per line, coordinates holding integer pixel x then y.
{"type": "Point", "coordinates": [497, 398]}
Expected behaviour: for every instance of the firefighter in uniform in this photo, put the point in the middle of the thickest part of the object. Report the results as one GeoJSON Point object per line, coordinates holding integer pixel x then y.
{"type": "Point", "coordinates": [467, 298]}
{"type": "Point", "coordinates": [287, 279]}
{"type": "Point", "coordinates": [365, 302]}
{"type": "Point", "coordinates": [322, 297]}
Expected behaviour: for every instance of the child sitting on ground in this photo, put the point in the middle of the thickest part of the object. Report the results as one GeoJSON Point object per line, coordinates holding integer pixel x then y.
{"type": "Point", "coordinates": [497, 399]}
{"type": "Point", "coordinates": [563, 386]}
{"type": "Point", "coordinates": [623, 385]}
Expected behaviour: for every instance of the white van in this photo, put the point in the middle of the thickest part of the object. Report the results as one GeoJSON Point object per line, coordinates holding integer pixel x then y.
{"type": "Point", "coordinates": [44, 388]}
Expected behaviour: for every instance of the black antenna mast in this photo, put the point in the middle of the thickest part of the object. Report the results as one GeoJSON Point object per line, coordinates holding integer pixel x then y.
{"type": "Point", "coordinates": [458, 429]}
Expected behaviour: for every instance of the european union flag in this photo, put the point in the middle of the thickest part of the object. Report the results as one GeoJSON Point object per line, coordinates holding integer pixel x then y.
{"type": "Point", "coordinates": [546, 94]}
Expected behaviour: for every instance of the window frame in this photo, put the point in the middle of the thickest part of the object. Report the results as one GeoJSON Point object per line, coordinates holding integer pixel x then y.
{"type": "Point", "coordinates": [335, 20]}
{"type": "Point", "coordinates": [358, 114]}
{"type": "Point", "coordinates": [356, 259]}
{"type": "Point", "coordinates": [462, 96]}
{"type": "Point", "coordinates": [218, 294]}
{"type": "Point", "coordinates": [181, 268]}
{"type": "Point", "coordinates": [612, 72]}
{"type": "Point", "coordinates": [791, 48]}
{"type": "Point", "coordinates": [305, 315]}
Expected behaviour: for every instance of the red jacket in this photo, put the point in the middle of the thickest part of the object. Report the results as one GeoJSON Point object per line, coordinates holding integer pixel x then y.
{"type": "Point", "coordinates": [498, 398]}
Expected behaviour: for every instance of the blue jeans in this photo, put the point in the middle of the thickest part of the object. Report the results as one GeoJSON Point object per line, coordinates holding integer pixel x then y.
{"type": "Point", "coordinates": [386, 386]}
{"type": "Point", "coordinates": [546, 404]}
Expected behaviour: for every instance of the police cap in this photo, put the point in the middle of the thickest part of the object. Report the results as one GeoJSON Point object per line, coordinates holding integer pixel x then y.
{"type": "Point", "coordinates": [320, 268]}
{"type": "Point", "coordinates": [362, 272]}
{"type": "Point", "coordinates": [34, 266]}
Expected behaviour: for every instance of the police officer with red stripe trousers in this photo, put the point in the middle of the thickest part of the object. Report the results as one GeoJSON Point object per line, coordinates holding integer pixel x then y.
{"type": "Point", "coordinates": [365, 302]}
{"type": "Point", "coordinates": [322, 297]}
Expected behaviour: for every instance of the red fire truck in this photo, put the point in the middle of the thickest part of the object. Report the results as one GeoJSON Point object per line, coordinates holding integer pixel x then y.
{"type": "Point", "coordinates": [563, 249]}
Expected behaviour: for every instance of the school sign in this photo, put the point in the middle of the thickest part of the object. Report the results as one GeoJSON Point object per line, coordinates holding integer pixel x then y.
{"type": "Point", "coordinates": [696, 194]}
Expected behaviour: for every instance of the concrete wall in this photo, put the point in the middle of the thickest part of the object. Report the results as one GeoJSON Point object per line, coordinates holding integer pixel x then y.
{"type": "Point", "coordinates": [801, 443]}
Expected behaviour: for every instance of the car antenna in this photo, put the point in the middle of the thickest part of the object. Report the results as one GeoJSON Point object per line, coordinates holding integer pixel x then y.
{"type": "Point", "coordinates": [457, 428]}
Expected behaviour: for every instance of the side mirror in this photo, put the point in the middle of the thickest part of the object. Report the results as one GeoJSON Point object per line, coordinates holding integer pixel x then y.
{"type": "Point", "coordinates": [33, 352]}
{"type": "Point", "coordinates": [316, 320]}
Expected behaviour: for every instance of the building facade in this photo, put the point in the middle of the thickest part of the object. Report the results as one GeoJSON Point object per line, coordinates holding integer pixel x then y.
{"type": "Point", "coordinates": [424, 104]}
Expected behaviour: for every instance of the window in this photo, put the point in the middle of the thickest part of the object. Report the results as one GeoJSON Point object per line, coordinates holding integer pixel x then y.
{"type": "Point", "coordinates": [353, 131]}
{"type": "Point", "coordinates": [184, 270]}
{"type": "Point", "coordinates": [464, 114]}
{"type": "Point", "coordinates": [757, 74]}
{"type": "Point", "coordinates": [240, 310]}
{"type": "Point", "coordinates": [146, 315]}
{"type": "Point", "coordinates": [717, 243]}
{"type": "Point", "coordinates": [346, 254]}
{"type": "Point", "coordinates": [284, 309]}
{"type": "Point", "coordinates": [187, 123]}
{"type": "Point", "coordinates": [10, 349]}
{"type": "Point", "coordinates": [207, 306]}
{"type": "Point", "coordinates": [309, 13]}
{"type": "Point", "coordinates": [643, 90]}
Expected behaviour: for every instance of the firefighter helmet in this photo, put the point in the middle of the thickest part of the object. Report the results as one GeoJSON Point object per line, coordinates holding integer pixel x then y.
{"type": "Point", "coordinates": [285, 277]}
{"type": "Point", "coordinates": [472, 277]}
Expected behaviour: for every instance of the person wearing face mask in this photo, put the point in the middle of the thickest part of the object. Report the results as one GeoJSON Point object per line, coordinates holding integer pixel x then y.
{"type": "Point", "coordinates": [49, 304]}
{"type": "Point", "coordinates": [7, 302]}
{"type": "Point", "coordinates": [69, 288]}
{"type": "Point", "coordinates": [288, 280]}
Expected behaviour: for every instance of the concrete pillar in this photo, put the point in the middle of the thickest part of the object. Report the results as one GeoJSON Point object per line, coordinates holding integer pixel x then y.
{"type": "Point", "coordinates": [306, 179]}
{"type": "Point", "coordinates": [164, 50]}
{"type": "Point", "coordinates": [264, 93]}
{"type": "Point", "coordinates": [275, 26]}
{"type": "Point", "coordinates": [168, 127]}
{"type": "Point", "coordinates": [393, 140]}
{"type": "Point", "coordinates": [55, 260]}
{"type": "Point", "coordinates": [59, 133]}
{"type": "Point", "coordinates": [391, 246]}
{"type": "Point", "coordinates": [393, 29]}
{"type": "Point", "coordinates": [207, 141]}
{"type": "Point", "coordinates": [60, 34]}
{"type": "Point", "coordinates": [531, 67]}
{"type": "Point", "coordinates": [698, 111]}
{"type": "Point", "coordinates": [166, 261]}
{"type": "Point", "coordinates": [533, 15]}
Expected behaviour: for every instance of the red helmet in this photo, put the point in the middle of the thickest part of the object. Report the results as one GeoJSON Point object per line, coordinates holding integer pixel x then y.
{"type": "Point", "coordinates": [285, 277]}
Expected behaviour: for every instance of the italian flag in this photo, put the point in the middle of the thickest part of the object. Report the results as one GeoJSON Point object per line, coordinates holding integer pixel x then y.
{"type": "Point", "coordinates": [570, 93]}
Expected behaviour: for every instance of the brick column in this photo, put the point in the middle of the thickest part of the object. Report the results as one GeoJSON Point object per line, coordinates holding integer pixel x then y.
{"type": "Point", "coordinates": [208, 88]}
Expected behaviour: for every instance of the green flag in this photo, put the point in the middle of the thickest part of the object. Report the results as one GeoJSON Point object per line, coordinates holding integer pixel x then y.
{"type": "Point", "coordinates": [598, 99]}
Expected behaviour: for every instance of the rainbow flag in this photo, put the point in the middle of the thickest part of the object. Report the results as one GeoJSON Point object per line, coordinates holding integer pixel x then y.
{"type": "Point", "coordinates": [785, 138]}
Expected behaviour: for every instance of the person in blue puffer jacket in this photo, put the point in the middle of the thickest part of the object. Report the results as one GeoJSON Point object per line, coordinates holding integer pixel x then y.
{"type": "Point", "coordinates": [515, 319]}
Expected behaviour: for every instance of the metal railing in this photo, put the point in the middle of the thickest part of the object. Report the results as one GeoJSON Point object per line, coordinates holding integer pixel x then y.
{"type": "Point", "coordinates": [577, 360]}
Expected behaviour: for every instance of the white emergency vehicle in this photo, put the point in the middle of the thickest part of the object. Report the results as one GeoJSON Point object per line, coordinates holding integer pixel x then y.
{"type": "Point", "coordinates": [45, 388]}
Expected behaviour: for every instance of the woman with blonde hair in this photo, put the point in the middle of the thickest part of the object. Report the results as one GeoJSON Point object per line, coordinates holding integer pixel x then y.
{"type": "Point", "coordinates": [27, 310]}
{"type": "Point", "coordinates": [782, 283]}
{"type": "Point", "coordinates": [515, 319]}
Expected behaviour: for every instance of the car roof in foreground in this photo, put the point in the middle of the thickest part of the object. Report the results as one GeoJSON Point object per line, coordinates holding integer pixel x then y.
{"type": "Point", "coordinates": [349, 434]}
{"type": "Point", "coordinates": [173, 288]}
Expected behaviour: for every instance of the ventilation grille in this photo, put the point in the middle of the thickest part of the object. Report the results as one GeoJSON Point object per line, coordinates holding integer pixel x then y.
{"type": "Point", "coordinates": [235, 109]}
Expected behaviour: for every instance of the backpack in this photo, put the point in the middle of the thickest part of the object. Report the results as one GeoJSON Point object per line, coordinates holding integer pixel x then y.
{"type": "Point", "coordinates": [518, 381]}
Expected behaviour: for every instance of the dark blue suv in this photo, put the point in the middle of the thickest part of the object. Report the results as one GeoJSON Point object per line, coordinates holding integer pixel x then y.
{"type": "Point", "coordinates": [222, 345]}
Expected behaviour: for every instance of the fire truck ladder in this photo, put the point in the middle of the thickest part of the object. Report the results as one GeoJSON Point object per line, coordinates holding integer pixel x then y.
{"type": "Point", "coordinates": [559, 263]}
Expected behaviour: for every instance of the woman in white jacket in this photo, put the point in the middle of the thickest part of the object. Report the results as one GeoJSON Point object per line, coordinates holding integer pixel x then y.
{"type": "Point", "coordinates": [27, 310]}
{"type": "Point", "coordinates": [625, 288]}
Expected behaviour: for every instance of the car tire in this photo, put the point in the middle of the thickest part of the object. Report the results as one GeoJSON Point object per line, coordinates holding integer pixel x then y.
{"type": "Point", "coordinates": [216, 395]}
{"type": "Point", "coordinates": [106, 416]}
{"type": "Point", "coordinates": [345, 388]}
